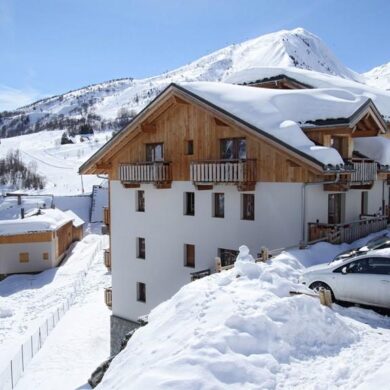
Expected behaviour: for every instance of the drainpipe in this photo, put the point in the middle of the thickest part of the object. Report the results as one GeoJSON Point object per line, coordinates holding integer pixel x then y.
{"type": "Point", "coordinates": [383, 198]}
{"type": "Point", "coordinates": [303, 212]}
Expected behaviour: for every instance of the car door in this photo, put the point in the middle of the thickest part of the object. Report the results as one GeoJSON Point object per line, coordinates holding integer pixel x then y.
{"type": "Point", "coordinates": [379, 284]}
{"type": "Point", "coordinates": [353, 281]}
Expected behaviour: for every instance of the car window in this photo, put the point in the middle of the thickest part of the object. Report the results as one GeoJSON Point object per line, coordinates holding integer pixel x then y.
{"type": "Point", "coordinates": [379, 265]}
{"type": "Point", "coordinates": [356, 267]}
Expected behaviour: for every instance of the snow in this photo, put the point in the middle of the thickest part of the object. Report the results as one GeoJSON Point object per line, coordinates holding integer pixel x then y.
{"type": "Point", "coordinates": [99, 201]}
{"type": "Point", "coordinates": [27, 300]}
{"type": "Point", "coordinates": [278, 112]}
{"type": "Point", "coordinates": [57, 163]}
{"type": "Point", "coordinates": [376, 148]}
{"type": "Point", "coordinates": [379, 76]}
{"type": "Point", "coordinates": [47, 219]}
{"type": "Point", "coordinates": [315, 79]}
{"type": "Point", "coordinates": [241, 329]}
{"type": "Point", "coordinates": [77, 221]}
{"type": "Point", "coordinates": [295, 48]}
{"type": "Point", "coordinates": [79, 343]}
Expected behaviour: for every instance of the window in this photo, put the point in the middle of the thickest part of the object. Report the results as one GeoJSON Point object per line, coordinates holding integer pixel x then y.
{"type": "Point", "coordinates": [189, 203]}
{"type": "Point", "coordinates": [371, 265]}
{"type": "Point", "coordinates": [364, 203]}
{"type": "Point", "coordinates": [189, 147]}
{"type": "Point", "coordinates": [248, 207]}
{"type": "Point", "coordinates": [45, 256]}
{"type": "Point", "coordinates": [227, 256]}
{"type": "Point", "coordinates": [141, 292]}
{"type": "Point", "coordinates": [155, 152]}
{"type": "Point", "coordinates": [141, 201]}
{"type": "Point", "coordinates": [219, 205]}
{"type": "Point", "coordinates": [24, 257]}
{"type": "Point", "coordinates": [336, 208]}
{"type": "Point", "coordinates": [233, 149]}
{"type": "Point", "coordinates": [140, 248]}
{"type": "Point", "coordinates": [189, 255]}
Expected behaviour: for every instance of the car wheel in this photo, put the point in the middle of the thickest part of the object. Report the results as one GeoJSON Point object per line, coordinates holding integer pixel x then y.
{"type": "Point", "coordinates": [317, 285]}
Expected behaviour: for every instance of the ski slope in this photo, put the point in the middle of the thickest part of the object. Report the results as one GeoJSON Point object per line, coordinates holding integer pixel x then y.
{"type": "Point", "coordinates": [58, 163]}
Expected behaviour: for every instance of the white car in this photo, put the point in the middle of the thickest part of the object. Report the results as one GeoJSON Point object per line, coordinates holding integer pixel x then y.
{"type": "Point", "coordinates": [362, 279]}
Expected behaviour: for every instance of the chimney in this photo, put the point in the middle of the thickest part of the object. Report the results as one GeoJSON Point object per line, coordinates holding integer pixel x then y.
{"type": "Point", "coordinates": [22, 213]}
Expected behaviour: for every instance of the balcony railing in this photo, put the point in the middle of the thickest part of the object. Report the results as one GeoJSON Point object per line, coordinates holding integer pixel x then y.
{"type": "Point", "coordinates": [347, 232]}
{"type": "Point", "coordinates": [107, 259]}
{"type": "Point", "coordinates": [108, 296]}
{"type": "Point", "coordinates": [146, 172]}
{"type": "Point", "coordinates": [223, 171]}
{"type": "Point", "coordinates": [365, 171]}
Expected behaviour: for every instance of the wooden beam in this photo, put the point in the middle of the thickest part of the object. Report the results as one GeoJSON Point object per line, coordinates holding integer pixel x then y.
{"type": "Point", "coordinates": [103, 166]}
{"type": "Point", "coordinates": [148, 127]}
{"type": "Point", "coordinates": [218, 122]}
{"type": "Point", "coordinates": [178, 100]}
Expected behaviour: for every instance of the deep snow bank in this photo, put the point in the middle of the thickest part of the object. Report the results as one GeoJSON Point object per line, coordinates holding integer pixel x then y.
{"type": "Point", "coordinates": [226, 331]}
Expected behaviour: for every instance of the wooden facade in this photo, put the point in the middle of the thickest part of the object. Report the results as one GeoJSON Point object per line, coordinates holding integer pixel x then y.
{"type": "Point", "coordinates": [175, 121]}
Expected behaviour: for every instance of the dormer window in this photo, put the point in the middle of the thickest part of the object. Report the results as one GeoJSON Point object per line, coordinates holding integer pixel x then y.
{"type": "Point", "coordinates": [233, 149]}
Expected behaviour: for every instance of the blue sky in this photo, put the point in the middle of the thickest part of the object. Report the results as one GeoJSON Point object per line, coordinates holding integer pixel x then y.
{"type": "Point", "coordinates": [52, 46]}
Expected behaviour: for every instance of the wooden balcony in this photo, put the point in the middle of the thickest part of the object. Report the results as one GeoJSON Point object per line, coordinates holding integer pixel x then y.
{"type": "Point", "coordinates": [359, 173]}
{"type": "Point", "coordinates": [108, 296]}
{"type": "Point", "coordinates": [364, 173]}
{"type": "Point", "coordinates": [158, 173]}
{"type": "Point", "coordinates": [347, 232]}
{"type": "Point", "coordinates": [239, 172]}
{"type": "Point", "coordinates": [107, 259]}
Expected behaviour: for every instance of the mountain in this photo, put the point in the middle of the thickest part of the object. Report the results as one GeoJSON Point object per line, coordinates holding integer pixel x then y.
{"type": "Point", "coordinates": [379, 76]}
{"type": "Point", "coordinates": [112, 104]}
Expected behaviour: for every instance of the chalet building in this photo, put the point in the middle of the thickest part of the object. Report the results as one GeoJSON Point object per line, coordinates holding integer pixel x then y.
{"type": "Point", "coordinates": [207, 167]}
{"type": "Point", "coordinates": [37, 241]}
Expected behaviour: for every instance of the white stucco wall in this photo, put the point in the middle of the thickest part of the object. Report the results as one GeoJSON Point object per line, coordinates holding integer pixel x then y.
{"type": "Point", "coordinates": [9, 257]}
{"type": "Point", "coordinates": [278, 223]}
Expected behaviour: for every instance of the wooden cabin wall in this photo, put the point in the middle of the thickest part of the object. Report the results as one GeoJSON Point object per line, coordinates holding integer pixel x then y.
{"type": "Point", "coordinates": [184, 122]}
{"type": "Point", "coordinates": [65, 238]}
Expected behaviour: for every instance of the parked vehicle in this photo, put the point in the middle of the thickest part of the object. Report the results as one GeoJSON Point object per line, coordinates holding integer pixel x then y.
{"type": "Point", "coordinates": [381, 242]}
{"type": "Point", "coordinates": [363, 279]}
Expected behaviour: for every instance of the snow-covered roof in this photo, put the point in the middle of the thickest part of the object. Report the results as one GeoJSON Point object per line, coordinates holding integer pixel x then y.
{"type": "Point", "coordinates": [10, 209]}
{"type": "Point", "coordinates": [380, 97]}
{"type": "Point", "coordinates": [47, 220]}
{"type": "Point", "coordinates": [77, 221]}
{"type": "Point", "coordinates": [281, 113]}
{"type": "Point", "coordinates": [376, 148]}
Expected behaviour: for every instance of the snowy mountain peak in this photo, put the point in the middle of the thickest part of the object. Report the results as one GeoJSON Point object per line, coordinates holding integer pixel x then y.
{"type": "Point", "coordinates": [112, 104]}
{"type": "Point", "coordinates": [379, 76]}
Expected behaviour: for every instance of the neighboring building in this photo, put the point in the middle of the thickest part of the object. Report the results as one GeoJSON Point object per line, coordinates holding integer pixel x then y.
{"type": "Point", "coordinates": [37, 241]}
{"type": "Point", "coordinates": [207, 167]}
{"type": "Point", "coordinates": [77, 225]}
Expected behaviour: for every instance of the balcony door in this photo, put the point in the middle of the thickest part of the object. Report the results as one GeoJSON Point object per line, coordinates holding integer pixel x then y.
{"type": "Point", "coordinates": [233, 149]}
{"type": "Point", "coordinates": [155, 152]}
{"type": "Point", "coordinates": [336, 208]}
{"type": "Point", "coordinates": [341, 145]}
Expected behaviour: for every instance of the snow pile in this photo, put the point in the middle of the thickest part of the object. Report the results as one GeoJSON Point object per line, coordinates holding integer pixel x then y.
{"type": "Point", "coordinates": [315, 79]}
{"type": "Point", "coordinates": [226, 331]}
{"type": "Point", "coordinates": [5, 312]}
{"type": "Point", "coordinates": [376, 148]}
{"type": "Point", "coordinates": [278, 112]}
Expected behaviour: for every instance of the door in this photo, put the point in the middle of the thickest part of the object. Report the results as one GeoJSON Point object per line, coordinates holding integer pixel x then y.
{"type": "Point", "coordinates": [233, 149]}
{"type": "Point", "coordinates": [379, 268]}
{"type": "Point", "coordinates": [155, 152]}
{"type": "Point", "coordinates": [354, 283]}
{"type": "Point", "coordinates": [336, 208]}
